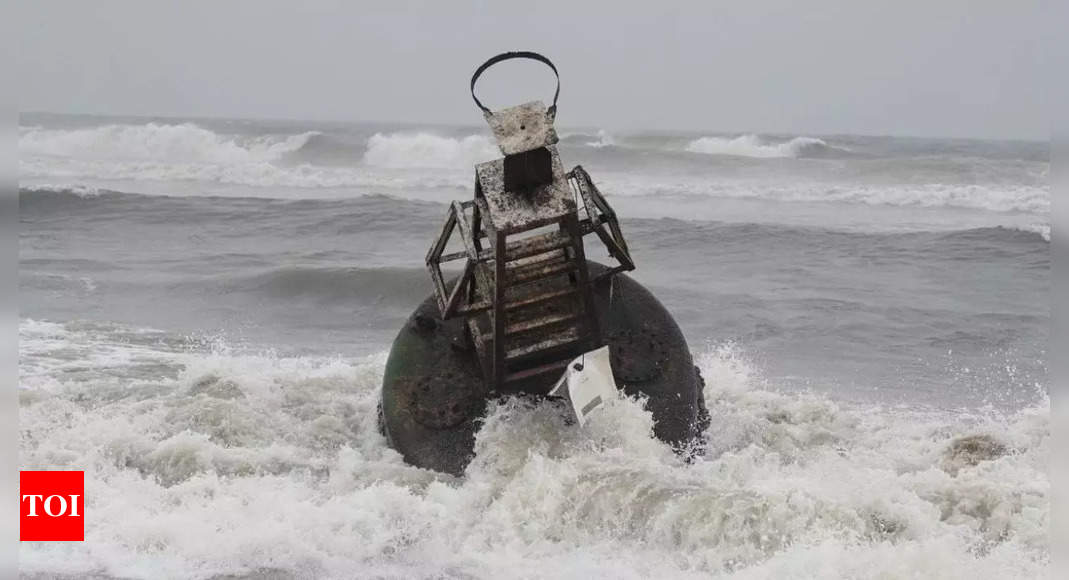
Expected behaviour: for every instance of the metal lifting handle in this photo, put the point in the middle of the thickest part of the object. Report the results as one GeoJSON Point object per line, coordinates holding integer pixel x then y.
{"type": "Point", "coordinates": [510, 55]}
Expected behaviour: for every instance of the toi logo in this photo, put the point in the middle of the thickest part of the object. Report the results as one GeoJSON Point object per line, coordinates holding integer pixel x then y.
{"type": "Point", "coordinates": [52, 506]}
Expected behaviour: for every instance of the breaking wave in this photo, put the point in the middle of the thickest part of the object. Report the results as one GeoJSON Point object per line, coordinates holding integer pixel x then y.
{"type": "Point", "coordinates": [202, 462]}
{"type": "Point", "coordinates": [604, 139]}
{"type": "Point", "coordinates": [187, 152]}
{"type": "Point", "coordinates": [997, 198]}
{"type": "Point", "coordinates": [259, 174]}
{"type": "Point", "coordinates": [180, 143]}
{"type": "Point", "coordinates": [756, 146]}
{"type": "Point", "coordinates": [1042, 230]}
{"type": "Point", "coordinates": [415, 150]}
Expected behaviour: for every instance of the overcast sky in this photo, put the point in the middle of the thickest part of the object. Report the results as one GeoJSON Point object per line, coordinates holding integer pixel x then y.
{"type": "Point", "coordinates": [927, 68]}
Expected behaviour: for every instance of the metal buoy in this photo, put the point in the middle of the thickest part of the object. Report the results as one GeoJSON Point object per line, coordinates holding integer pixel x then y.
{"type": "Point", "coordinates": [527, 302]}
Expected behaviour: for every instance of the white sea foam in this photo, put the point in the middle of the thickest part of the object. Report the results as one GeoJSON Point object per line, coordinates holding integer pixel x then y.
{"type": "Point", "coordinates": [605, 139]}
{"type": "Point", "coordinates": [178, 143]}
{"type": "Point", "coordinates": [79, 189]}
{"type": "Point", "coordinates": [419, 164]}
{"type": "Point", "coordinates": [1038, 228]}
{"type": "Point", "coordinates": [415, 150]}
{"type": "Point", "coordinates": [222, 463]}
{"type": "Point", "coordinates": [267, 176]}
{"type": "Point", "coordinates": [183, 153]}
{"type": "Point", "coordinates": [755, 146]}
{"type": "Point", "coordinates": [999, 198]}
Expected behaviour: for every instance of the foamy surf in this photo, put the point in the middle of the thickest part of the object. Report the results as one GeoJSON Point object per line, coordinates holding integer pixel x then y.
{"type": "Point", "coordinates": [242, 159]}
{"type": "Point", "coordinates": [756, 146]}
{"type": "Point", "coordinates": [184, 142]}
{"type": "Point", "coordinates": [202, 461]}
{"type": "Point", "coordinates": [426, 150]}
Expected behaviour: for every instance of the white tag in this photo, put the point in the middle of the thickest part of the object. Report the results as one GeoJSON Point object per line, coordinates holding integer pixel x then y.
{"type": "Point", "coordinates": [590, 383]}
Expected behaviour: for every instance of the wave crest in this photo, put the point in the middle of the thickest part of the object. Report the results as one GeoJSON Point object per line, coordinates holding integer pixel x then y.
{"type": "Point", "coordinates": [416, 150]}
{"type": "Point", "coordinates": [185, 142]}
{"type": "Point", "coordinates": [756, 146]}
{"type": "Point", "coordinates": [195, 446]}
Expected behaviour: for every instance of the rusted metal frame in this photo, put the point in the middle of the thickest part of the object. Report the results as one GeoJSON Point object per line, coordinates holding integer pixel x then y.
{"type": "Point", "coordinates": [473, 309]}
{"type": "Point", "coordinates": [593, 197]}
{"type": "Point", "coordinates": [447, 230]}
{"type": "Point", "coordinates": [618, 235]}
{"type": "Point", "coordinates": [449, 299]}
{"type": "Point", "coordinates": [471, 267]}
{"type": "Point", "coordinates": [454, 297]}
{"type": "Point", "coordinates": [453, 256]}
{"type": "Point", "coordinates": [498, 313]}
{"type": "Point", "coordinates": [439, 287]}
{"type": "Point", "coordinates": [434, 256]}
{"type": "Point", "coordinates": [580, 200]}
{"type": "Point", "coordinates": [539, 271]}
{"type": "Point", "coordinates": [476, 219]}
{"type": "Point", "coordinates": [608, 273]}
{"type": "Point", "coordinates": [571, 225]}
{"type": "Point", "coordinates": [482, 286]}
{"type": "Point", "coordinates": [480, 349]}
{"type": "Point", "coordinates": [596, 197]}
{"type": "Point", "coordinates": [564, 339]}
{"type": "Point", "coordinates": [582, 179]}
{"type": "Point", "coordinates": [539, 323]}
{"type": "Point", "coordinates": [482, 270]}
{"type": "Point", "coordinates": [616, 247]}
{"type": "Point", "coordinates": [465, 228]}
{"type": "Point", "coordinates": [476, 226]}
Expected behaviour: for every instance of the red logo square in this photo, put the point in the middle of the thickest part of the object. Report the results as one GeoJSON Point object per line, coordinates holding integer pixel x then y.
{"type": "Point", "coordinates": [51, 506]}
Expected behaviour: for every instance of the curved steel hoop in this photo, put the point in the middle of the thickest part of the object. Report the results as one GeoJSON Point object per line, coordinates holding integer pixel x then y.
{"type": "Point", "coordinates": [508, 56]}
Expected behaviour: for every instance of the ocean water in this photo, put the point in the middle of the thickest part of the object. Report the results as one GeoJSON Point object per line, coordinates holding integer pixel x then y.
{"type": "Point", "coordinates": [207, 304]}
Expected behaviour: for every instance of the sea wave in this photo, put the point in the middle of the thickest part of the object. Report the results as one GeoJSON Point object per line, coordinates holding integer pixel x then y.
{"type": "Point", "coordinates": [757, 146]}
{"type": "Point", "coordinates": [186, 152]}
{"type": "Point", "coordinates": [603, 139]}
{"type": "Point", "coordinates": [1042, 230]}
{"type": "Point", "coordinates": [791, 481]}
{"type": "Point", "coordinates": [418, 150]}
{"type": "Point", "coordinates": [255, 174]}
{"type": "Point", "coordinates": [994, 197]}
{"type": "Point", "coordinates": [173, 143]}
{"type": "Point", "coordinates": [72, 189]}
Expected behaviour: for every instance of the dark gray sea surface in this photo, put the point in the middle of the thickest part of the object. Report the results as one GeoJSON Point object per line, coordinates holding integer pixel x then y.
{"type": "Point", "coordinates": [206, 306]}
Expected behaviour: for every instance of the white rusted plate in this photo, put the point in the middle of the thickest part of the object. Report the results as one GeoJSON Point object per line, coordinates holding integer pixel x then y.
{"type": "Point", "coordinates": [522, 128]}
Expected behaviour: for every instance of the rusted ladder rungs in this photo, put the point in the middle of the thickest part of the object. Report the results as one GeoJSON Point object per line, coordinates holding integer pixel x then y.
{"type": "Point", "coordinates": [515, 264]}
{"type": "Point", "coordinates": [567, 337]}
{"type": "Point", "coordinates": [538, 273]}
{"type": "Point", "coordinates": [536, 245]}
{"type": "Point", "coordinates": [533, 299]}
{"type": "Point", "coordinates": [556, 366]}
{"type": "Point", "coordinates": [538, 323]}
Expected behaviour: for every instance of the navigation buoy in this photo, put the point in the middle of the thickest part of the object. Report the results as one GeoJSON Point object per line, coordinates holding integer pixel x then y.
{"type": "Point", "coordinates": [527, 303]}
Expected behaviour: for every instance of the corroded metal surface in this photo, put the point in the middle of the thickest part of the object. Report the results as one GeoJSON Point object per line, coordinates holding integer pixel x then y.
{"type": "Point", "coordinates": [522, 128]}
{"type": "Point", "coordinates": [638, 355]}
{"type": "Point", "coordinates": [511, 211]}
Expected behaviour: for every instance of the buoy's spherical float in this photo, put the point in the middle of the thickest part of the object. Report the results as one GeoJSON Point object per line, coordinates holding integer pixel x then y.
{"type": "Point", "coordinates": [433, 391]}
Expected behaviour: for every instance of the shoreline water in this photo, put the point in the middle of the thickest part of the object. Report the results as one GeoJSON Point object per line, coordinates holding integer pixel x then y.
{"type": "Point", "coordinates": [863, 309]}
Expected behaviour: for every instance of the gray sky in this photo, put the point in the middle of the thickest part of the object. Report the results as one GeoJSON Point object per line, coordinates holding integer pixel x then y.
{"type": "Point", "coordinates": [929, 67]}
